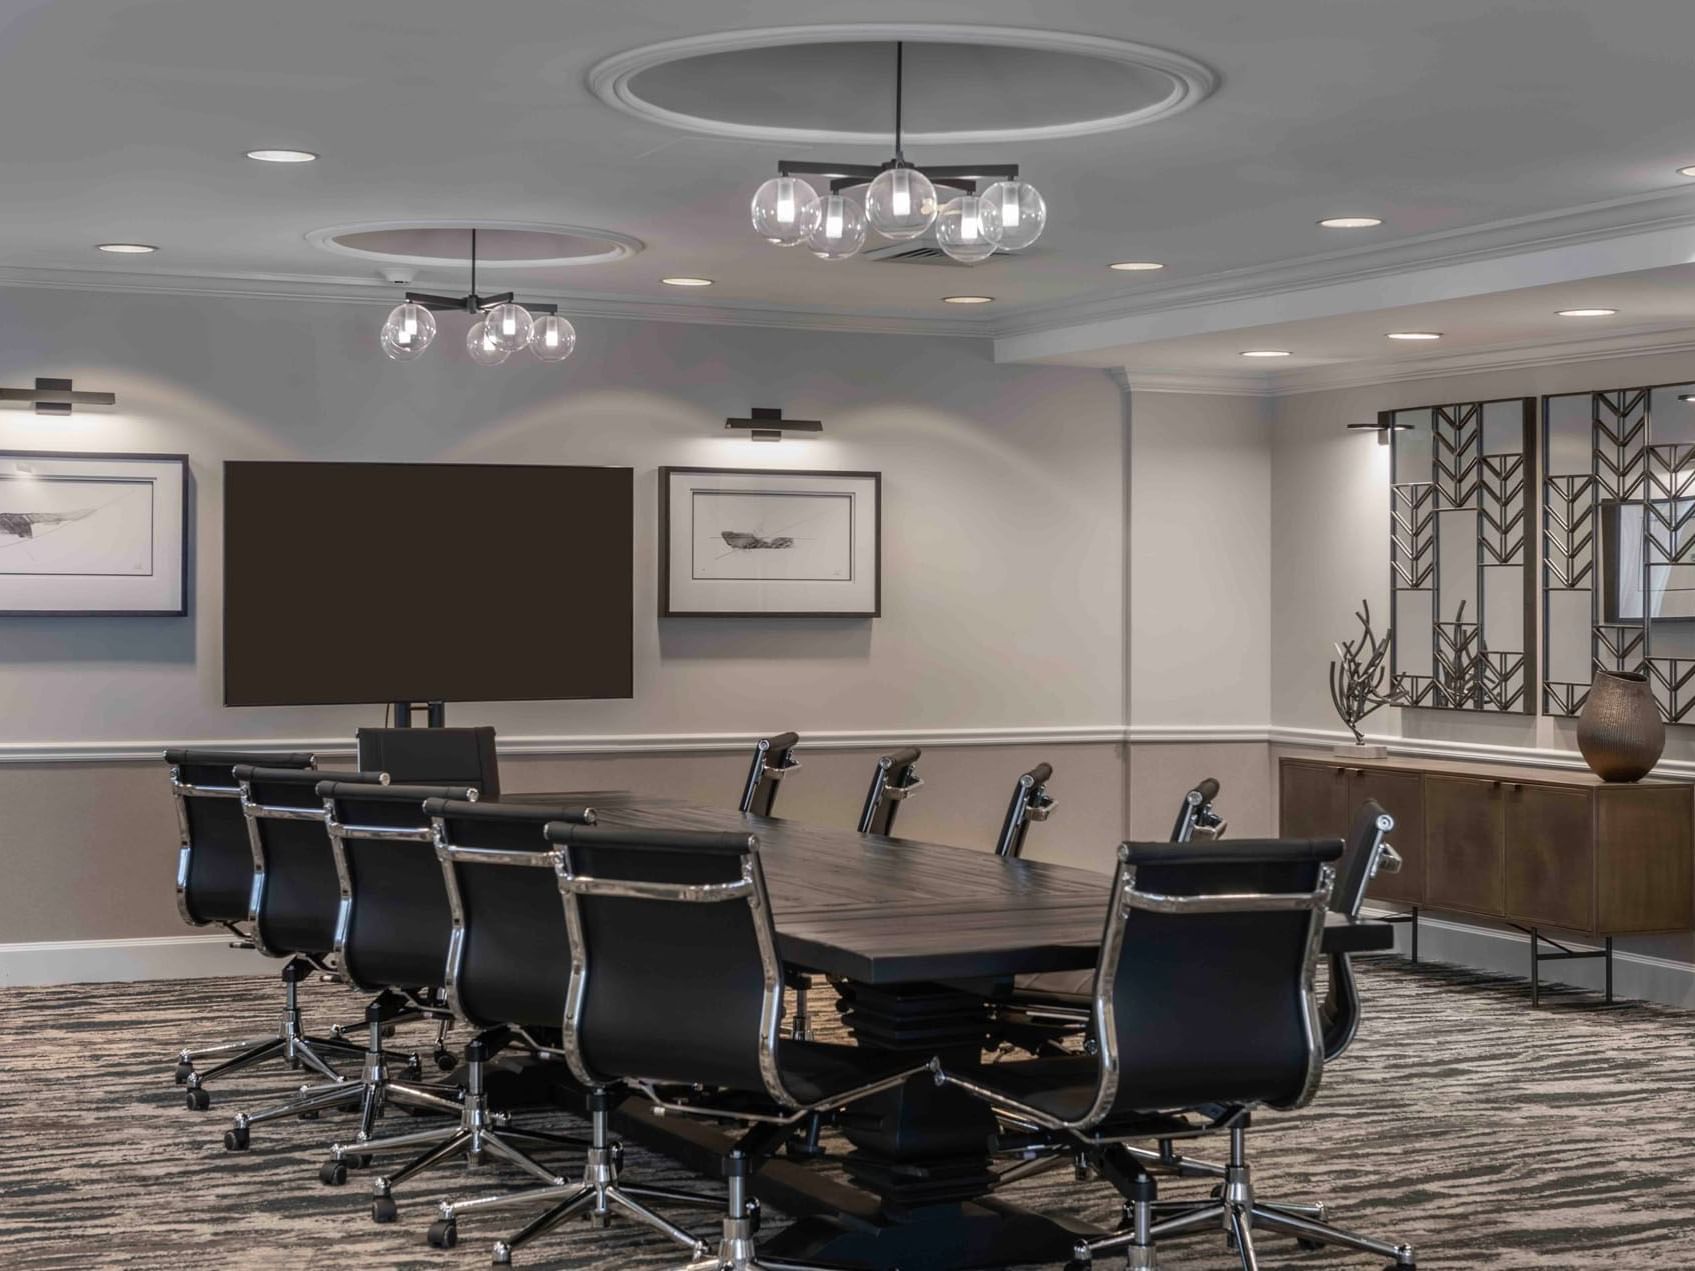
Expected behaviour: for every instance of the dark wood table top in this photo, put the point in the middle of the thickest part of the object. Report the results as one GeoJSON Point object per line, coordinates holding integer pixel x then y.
{"type": "Point", "coordinates": [890, 910]}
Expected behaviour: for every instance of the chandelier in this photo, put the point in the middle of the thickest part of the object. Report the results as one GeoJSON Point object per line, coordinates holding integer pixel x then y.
{"type": "Point", "coordinates": [502, 328]}
{"type": "Point", "coordinates": [900, 202]}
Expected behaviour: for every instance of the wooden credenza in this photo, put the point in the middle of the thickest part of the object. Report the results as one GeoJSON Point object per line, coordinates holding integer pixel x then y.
{"type": "Point", "coordinates": [1540, 848]}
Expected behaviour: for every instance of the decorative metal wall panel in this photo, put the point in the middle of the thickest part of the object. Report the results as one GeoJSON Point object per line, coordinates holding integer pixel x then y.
{"type": "Point", "coordinates": [1463, 585]}
{"type": "Point", "coordinates": [1618, 543]}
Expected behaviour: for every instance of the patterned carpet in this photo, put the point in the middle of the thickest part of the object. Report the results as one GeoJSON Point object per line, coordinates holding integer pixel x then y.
{"type": "Point", "coordinates": [1486, 1134]}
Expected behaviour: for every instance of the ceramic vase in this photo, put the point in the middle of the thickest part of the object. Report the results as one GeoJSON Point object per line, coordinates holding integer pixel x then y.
{"type": "Point", "coordinates": [1620, 731]}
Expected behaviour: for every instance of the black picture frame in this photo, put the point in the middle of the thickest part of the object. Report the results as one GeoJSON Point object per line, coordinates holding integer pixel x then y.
{"type": "Point", "coordinates": [182, 555]}
{"type": "Point", "coordinates": [669, 610]}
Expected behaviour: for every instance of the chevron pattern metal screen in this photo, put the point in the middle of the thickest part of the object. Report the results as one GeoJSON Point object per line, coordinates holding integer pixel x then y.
{"type": "Point", "coordinates": [1627, 504]}
{"type": "Point", "coordinates": [1463, 588]}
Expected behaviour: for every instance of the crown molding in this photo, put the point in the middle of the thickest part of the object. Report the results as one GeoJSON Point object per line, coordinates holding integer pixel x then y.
{"type": "Point", "coordinates": [1648, 341]}
{"type": "Point", "coordinates": [1636, 214]}
{"type": "Point", "coordinates": [344, 290]}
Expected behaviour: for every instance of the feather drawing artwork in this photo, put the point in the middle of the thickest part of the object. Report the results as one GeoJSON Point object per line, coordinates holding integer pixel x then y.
{"type": "Point", "coordinates": [744, 542]}
{"type": "Point", "coordinates": [21, 525]}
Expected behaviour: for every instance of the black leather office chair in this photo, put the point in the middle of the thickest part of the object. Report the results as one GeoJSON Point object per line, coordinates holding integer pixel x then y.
{"type": "Point", "coordinates": [676, 986]}
{"type": "Point", "coordinates": [1227, 1033]}
{"type": "Point", "coordinates": [1364, 856]}
{"type": "Point", "coordinates": [434, 757]}
{"type": "Point", "coordinates": [296, 899]}
{"type": "Point", "coordinates": [893, 781]}
{"type": "Point", "coordinates": [1043, 1010]}
{"type": "Point", "coordinates": [502, 955]}
{"type": "Point", "coordinates": [1195, 816]}
{"type": "Point", "coordinates": [292, 900]}
{"type": "Point", "coordinates": [1030, 802]}
{"type": "Point", "coordinates": [773, 759]}
{"type": "Point", "coordinates": [215, 877]}
{"type": "Point", "coordinates": [390, 941]}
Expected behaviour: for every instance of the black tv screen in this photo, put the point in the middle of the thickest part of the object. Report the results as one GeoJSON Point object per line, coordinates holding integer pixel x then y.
{"type": "Point", "coordinates": [391, 582]}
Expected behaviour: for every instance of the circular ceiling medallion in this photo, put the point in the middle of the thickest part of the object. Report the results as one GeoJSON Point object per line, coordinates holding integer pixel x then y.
{"type": "Point", "coordinates": [964, 84]}
{"type": "Point", "coordinates": [500, 244]}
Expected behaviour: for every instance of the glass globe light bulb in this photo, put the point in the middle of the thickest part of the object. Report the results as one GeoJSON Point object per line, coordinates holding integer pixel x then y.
{"type": "Point", "coordinates": [785, 210]}
{"type": "Point", "coordinates": [1021, 210]}
{"type": "Point", "coordinates": [408, 331]}
{"type": "Point", "coordinates": [968, 229]}
{"type": "Point", "coordinates": [840, 231]}
{"type": "Point", "coordinates": [509, 327]}
{"type": "Point", "coordinates": [552, 338]}
{"type": "Point", "coordinates": [480, 342]}
{"type": "Point", "coordinates": [901, 203]}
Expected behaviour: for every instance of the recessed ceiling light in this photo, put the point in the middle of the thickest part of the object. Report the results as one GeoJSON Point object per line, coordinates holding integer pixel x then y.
{"type": "Point", "coordinates": [1415, 335]}
{"type": "Point", "coordinates": [1351, 222]}
{"type": "Point", "coordinates": [1265, 352]}
{"type": "Point", "coordinates": [1585, 313]}
{"type": "Point", "coordinates": [1686, 397]}
{"type": "Point", "coordinates": [127, 249]}
{"type": "Point", "coordinates": [282, 156]}
{"type": "Point", "coordinates": [967, 300]}
{"type": "Point", "coordinates": [686, 282]}
{"type": "Point", "coordinates": [1135, 266]}
{"type": "Point", "coordinates": [1687, 172]}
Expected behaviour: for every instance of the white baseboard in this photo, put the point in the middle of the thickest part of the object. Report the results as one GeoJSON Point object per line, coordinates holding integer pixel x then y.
{"type": "Point", "coordinates": [140, 958]}
{"type": "Point", "coordinates": [1636, 976]}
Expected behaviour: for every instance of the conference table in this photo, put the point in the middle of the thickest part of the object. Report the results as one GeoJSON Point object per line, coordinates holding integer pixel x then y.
{"type": "Point", "coordinates": [917, 939]}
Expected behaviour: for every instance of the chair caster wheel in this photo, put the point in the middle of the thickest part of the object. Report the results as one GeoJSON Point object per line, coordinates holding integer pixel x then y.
{"type": "Point", "coordinates": [446, 1060]}
{"type": "Point", "coordinates": [198, 1100]}
{"type": "Point", "coordinates": [356, 1160]}
{"type": "Point", "coordinates": [383, 1209]}
{"type": "Point", "coordinates": [235, 1140]}
{"type": "Point", "coordinates": [478, 1159]}
{"type": "Point", "coordinates": [184, 1072]}
{"type": "Point", "coordinates": [502, 1254]}
{"type": "Point", "coordinates": [600, 1222]}
{"type": "Point", "coordinates": [332, 1173]}
{"type": "Point", "coordinates": [414, 1066]}
{"type": "Point", "coordinates": [311, 1115]}
{"type": "Point", "coordinates": [1308, 1246]}
{"type": "Point", "coordinates": [444, 1233]}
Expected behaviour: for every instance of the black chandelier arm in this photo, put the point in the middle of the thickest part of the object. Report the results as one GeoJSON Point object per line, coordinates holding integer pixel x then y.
{"type": "Point", "coordinates": [471, 303]}
{"type": "Point", "coordinates": [845, 176]}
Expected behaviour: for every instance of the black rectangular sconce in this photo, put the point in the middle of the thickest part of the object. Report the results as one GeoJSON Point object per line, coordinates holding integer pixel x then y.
{"type": "Point", "coordinates": [56, 397]}
{"type": "Point", "coordinates": [1383, 427]}
{"type": "Point", "coordinates": [767, 424]}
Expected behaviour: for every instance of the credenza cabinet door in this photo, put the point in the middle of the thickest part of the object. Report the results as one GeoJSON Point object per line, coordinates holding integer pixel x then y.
{"type": "Point", "coordinates": [1313, 801]}
{"type": "Point", "coordinates": [1464, 859]}
{"type": "Point", "coordinates": [1644, 861]}
{"type": "Point", "coordinates": [1550, 835]}
{"type": "Point", "coordinates": [1402, 797]}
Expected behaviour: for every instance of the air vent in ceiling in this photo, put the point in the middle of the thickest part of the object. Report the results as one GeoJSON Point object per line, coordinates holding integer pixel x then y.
{"type": "Point", "coordinates": [922, 252]}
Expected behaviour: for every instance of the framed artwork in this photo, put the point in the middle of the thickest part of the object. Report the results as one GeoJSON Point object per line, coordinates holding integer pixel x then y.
{"type": "Point", "coordinates": [755, 542]}
{"type": "Point", "coordinates": [93, 534]}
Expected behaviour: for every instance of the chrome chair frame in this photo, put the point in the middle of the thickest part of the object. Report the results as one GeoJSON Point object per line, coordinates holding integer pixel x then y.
{"type": "Point", "coordinates": [481, 1131]}
{"type": "Point", "coordinates": [1195, 816]}
{"type": "Point", "coordinates": [1030, 802]}
{"type": "Point", "coordinates": [374, 1089]}
{"type": "Point", "coordinates": [1233, 1209]}
{"type": "Point", "coordinates": [763, 769]}
{"type": "Point", "coordinates": [600, 1188]}
{"type": "Point", "coordinates": [248, 1050]}
{"type": "Point", "coordinates": [291, 1043]}
{"type": "Point", "coordinates": [894, 780]}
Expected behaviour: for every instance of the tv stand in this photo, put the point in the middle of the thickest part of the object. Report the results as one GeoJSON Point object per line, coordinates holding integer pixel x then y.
{"type": "Point", "coordinates": [435, 714]}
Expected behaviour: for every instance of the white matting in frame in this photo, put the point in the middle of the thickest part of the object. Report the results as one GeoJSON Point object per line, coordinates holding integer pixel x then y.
{"type": "Point", "coordinates": [93, 533]}
{"type": "Point", "coordinates": [742, 542]}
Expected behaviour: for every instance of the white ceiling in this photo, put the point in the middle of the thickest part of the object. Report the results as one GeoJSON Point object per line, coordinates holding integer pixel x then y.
{"type": "Point", "coordinates": [1536, 132]}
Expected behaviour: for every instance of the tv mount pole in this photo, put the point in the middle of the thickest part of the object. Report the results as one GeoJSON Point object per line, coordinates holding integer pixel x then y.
{"type": "Point", "coordinates": [435, 714]}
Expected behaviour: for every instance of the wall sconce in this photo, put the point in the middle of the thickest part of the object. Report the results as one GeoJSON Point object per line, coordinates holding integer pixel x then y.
{"type": "Point", "coordinates": [767, 424]}
{"type": "Point", "coordinates": [1383, 426]}
{"type": "Point", "coordinates": [56, 397]}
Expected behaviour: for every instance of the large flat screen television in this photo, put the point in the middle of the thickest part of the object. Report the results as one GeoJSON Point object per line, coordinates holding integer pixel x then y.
{"type": "Point", "coordinates": [419, 582]}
